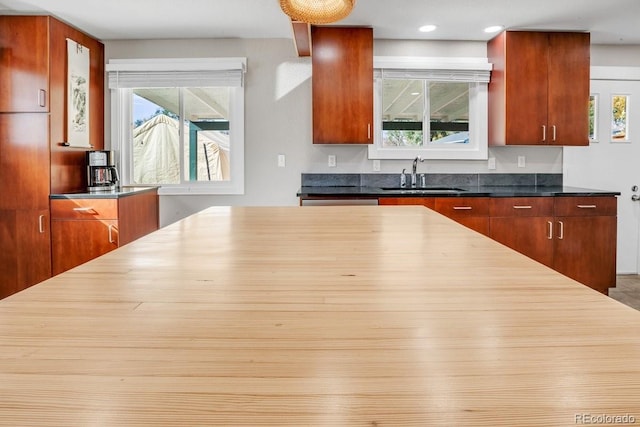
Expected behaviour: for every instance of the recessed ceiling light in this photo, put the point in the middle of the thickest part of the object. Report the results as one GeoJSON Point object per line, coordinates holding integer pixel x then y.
{"type": "Point", "coordinates": [415, 93]}
{"type": "Point", "coordinates": [427, 28]}
{"type": "Point", "coordinates": [493, 29]}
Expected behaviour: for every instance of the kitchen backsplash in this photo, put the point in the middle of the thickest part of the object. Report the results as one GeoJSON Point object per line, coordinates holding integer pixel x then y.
{"type": "Point", "coordinates": [461, 179]}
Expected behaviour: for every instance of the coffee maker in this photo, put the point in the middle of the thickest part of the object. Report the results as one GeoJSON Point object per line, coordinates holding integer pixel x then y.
{"type": "Point", "coordinates": [102, 174]}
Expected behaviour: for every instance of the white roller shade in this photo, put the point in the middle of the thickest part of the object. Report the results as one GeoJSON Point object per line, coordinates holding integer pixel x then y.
{"type": "Point", "coordinates": [471, 70]}
{"type": "Point", "coordinates": [198, 72]}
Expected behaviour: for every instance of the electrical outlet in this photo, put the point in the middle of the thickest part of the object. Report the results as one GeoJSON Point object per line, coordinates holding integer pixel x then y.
{"type": "Point", "coordinates": [332, 161]}
{"type": "Point", "coordinates": [376, 165]}
{"type": "Point", "coordinates": [521, 162]}
{"type": "Point", "coordinates": [491, 164]}
{"type": "Point", "coordinates": [281, 161]}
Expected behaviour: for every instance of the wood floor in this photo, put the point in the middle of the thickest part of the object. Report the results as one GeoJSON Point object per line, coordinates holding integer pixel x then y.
{"type": "Point", "coordinates": [627, 290]}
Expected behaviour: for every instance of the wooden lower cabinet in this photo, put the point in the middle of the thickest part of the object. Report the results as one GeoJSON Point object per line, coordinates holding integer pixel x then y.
{"type": "Point", "coordinates": [25, 258]}
{"type": "Point", "coordinates": [83, 229]}
{"type": "Point", "coordinates": [585, 240]}
{"type": "Point", "coordinates": [472, 212]}
{"type": "Point", "coordinates": [524, 224]}
{"type": "Point", "coordinates": [574, 235]}
{"type": "Point", "coordinates": [76, 242]}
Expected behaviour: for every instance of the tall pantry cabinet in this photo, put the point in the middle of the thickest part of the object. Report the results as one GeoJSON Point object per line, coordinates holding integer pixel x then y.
{"type": "Point", "coordinates": [33, 161]}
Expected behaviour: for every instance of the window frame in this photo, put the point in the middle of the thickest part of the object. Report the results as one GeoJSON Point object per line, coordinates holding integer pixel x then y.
{"type": "Point", "coordinates": [121, 114]}
{"type": "Point", "coordinates": [475, 71]}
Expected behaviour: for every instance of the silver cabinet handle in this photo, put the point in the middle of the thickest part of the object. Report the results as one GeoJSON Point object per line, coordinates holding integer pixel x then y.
{"type": "Point", "coordinates": [41, 224]}
{"type": "Point", "coordinates": [544, 132]}
{"type": "Point", "coordinates": [111, 240]}
{"type": "Point", "coordinates": [522, 207]}
{"type": "Point", "coordinates": [87, 209]}
{"type": "Point", "coordinates": [553, 128]}
{"type": "Point", "coordinates": [369, 131]}
{"type": "Point", "coordinates": [587, 206]}
{"type": "Point", "coordinates": [462, 208]}
{"type": "Point", "coordinates": [42, 98]}
{"type": "Point", "coordinates": [561, 235]}
{"type": "Point", "coordinates": [550, 235]}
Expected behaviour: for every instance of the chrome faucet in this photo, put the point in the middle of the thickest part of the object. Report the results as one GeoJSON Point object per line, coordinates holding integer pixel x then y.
{"type": "Point", "coordinates": [414, 176]}
{"type": "Point", "coordinates": [403, 179]}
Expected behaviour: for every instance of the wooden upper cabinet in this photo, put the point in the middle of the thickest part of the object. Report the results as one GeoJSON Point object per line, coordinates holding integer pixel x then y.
{"type": "Point", "coordinates": [342, 85]}
{"type": "Point", "coordinates": [539, 89]}
{"type": "Point", "coordinates": [24, 64]}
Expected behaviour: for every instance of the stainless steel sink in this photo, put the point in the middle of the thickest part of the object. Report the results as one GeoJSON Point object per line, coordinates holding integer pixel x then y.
{"type": "Point", "coordinates": [423, 190]}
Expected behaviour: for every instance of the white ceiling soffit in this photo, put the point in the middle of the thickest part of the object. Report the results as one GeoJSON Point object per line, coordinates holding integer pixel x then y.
{"type": "Point", "coordinates": [609, 22]}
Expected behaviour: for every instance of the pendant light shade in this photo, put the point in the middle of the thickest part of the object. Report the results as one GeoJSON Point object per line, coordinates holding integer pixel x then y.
{"type": "Point", "coordinates": [317, 11]}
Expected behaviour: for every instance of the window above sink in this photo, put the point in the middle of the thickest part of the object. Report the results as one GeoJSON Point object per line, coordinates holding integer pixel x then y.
{"type": "Point", "coordinates": [435, 108]}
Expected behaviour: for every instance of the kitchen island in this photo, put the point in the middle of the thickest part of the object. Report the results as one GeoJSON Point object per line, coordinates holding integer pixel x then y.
{"type": "Point", "coordinates": [316, 316]}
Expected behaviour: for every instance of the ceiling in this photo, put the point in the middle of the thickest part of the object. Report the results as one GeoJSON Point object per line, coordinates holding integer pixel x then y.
{"type": "Point", "coordinates": [609, 22]}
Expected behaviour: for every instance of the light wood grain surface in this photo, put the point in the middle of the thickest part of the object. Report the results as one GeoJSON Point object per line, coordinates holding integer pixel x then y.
{"type": "Point", "coordinates": [315, 316]}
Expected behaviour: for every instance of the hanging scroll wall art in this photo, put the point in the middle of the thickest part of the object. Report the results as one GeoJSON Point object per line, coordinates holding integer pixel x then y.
{"type": "Point", "coordinates": [77, 95]}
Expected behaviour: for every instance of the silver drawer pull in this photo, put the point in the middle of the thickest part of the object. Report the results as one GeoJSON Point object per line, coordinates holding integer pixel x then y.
{"type": "Point", "coordinates": [550, 234]}
{"type": "Point", "coordinates": [521, 207]}
{"type": "Point", "coordinates": [41, 224]}
{"type": "Point", "coordinates": [462, 208]}
{"type": "Point", "coordinates": [110, 230]}
{"type": "Point", "coordinates": [83, 209]}
{"type": "Point", "coordinates": [42, 98]}
{"type": "Point", "coordinates": [587, 206]}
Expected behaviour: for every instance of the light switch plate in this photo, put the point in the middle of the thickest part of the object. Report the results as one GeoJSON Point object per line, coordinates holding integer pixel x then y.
{"type": "Point", "coordinates": [521, 161]}
{"type": "Point", "coordinates": [331, 162]}
{"type": "Point", "coordinates": [376, 165]}
{"type": "Point", "coordinates": [491, 164]}
{"type": "Point", "coordinates": [281, 161]}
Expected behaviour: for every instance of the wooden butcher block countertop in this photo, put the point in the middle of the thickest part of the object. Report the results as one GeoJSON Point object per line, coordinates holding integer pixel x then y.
{"type": "Point", "coordinates": [316, 316]}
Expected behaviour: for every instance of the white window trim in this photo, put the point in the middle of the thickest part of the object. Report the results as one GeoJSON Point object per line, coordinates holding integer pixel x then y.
{"type": "Point", "coordinates": [121, 113]}
{"type": "Point", "coordinates": [469, 69]}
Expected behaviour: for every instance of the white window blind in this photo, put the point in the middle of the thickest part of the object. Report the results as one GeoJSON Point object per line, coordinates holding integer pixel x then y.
{"type": "Point", "coordinates": [197, 72]}
{"type": "Point", "coordinates": [470, 70]}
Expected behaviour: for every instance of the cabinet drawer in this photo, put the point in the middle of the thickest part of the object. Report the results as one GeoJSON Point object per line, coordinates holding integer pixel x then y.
{"type": "Point", "coordinates": [586, 206]}
{"type": "Point", "coordinates": [521, 206]}
{"type": "Point", "coordinates": [456, 207]}
{"type": "Point", "coordinates": [84, 209]}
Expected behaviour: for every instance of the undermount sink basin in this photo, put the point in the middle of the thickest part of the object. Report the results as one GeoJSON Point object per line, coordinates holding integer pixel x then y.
{"type": "Point", "coordinates": [423, 190]}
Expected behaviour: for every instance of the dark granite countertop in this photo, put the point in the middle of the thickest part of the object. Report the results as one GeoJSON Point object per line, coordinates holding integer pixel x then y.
{"type": "Point", "coordinates": [457, 191]}
{"type": "Point", "coordinates": [441, 185]}
{"type": "Point", "coordinates": [115, 194]}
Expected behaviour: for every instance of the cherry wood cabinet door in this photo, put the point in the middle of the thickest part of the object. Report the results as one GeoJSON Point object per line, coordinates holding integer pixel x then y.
{"type": "Point", "coordinates": [585, 250]}
{"type": "Point", "coordinates": [24, 64]}
{"type": "Point", "coordinates": [518, 88]}
{"type": "Point", "coordinates": [524, 224]}
{"type": "Point", "coordinates": [569, 70]}
{"type": "Point", "coordinates": [34, 247]}
{"type": "Point", "coordinates": [539, 89]}
{"type": "Point", "coordinates": [472, 212]}
{"type": "Point", "coordinates": [585, 234]}
{"type": "Point", "coordinates": [24, 161]}
{"type": "Point", "coordinates": [342, 85]}
{"type": "Point", "coordinates": [531, 236]}
{"type": "Point", "coordinates": [74, 242]}
{"type": "Point", "coordinates": [138, 216]}
{"type": "Point", "coordinates": [429, 202]}
{"type": "Point", "coordinates": [25, 258]}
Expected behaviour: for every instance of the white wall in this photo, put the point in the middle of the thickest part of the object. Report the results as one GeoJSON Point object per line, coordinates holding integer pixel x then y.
{"type": "Point", "coordinates": [278, 119]}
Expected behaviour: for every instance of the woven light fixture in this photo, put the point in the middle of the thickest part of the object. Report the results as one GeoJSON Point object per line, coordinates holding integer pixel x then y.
{"type": "Point", "coordinates": [317, 11]}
